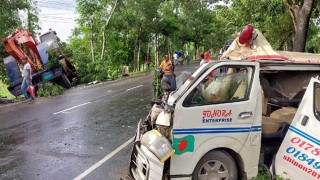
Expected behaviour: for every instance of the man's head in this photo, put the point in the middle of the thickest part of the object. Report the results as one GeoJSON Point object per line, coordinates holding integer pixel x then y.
{"type": "Point", "coordinates": [24, 60]}
{"type": "Point", "coordinates": [166, 57]}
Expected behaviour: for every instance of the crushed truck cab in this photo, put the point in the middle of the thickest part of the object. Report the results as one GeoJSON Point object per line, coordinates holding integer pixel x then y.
{"type": "Point", "coordinates": [230, 116]}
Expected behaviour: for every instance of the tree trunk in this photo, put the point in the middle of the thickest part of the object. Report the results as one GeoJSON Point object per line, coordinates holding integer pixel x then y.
{"type": "Point", "coordinates": [135, 53]}
{"type": "Point", "coordinates": [104, 40]}
{"type": "Point", "coordinates": [187, 48]}
{"type": "Point", "coordinates": [300, 37]}
{"type": "Point", "coordinates": [91, 39]}
{"type": "Point", "coordinates": [138, 58]}
{"type": "Point", "coordinates": [192, 58]}
{"type": "Point", "coordinates": [196, 46]}
{"type": "Point", "coordinates": [300, 17]}
{"type": "Point", "coordinates": [169, 47]}
{"type": "Point", "coordinates": [289, 44]}
{"type": "Point", "coordinates": [148, 48]}
{"type": "Point", "coordinates": [134, 59]}
{"type": "Point", "coordinates": [156, 52]}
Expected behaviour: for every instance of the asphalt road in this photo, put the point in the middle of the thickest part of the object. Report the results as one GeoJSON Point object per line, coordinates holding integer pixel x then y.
{"type": "Point", "coordinates": [83, 133]}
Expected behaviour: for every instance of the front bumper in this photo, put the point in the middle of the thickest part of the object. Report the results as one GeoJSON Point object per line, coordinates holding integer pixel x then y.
{"type": "Point", "coordinates": [139, 164]}
{"type": "Point", "coordinates": [144, 165]}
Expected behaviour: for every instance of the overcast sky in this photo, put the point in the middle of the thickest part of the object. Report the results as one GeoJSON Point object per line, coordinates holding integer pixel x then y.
{"type": "Point", "coordinates": [58, 15]}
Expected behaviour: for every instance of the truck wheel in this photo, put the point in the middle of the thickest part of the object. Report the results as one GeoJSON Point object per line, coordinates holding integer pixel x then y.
{"type": "Point", "coordinates": [216, 165]}
{"type": "Point", "coordinates": [65, 81]}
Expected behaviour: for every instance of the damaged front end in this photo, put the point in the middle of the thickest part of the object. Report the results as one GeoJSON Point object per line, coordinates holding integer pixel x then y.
{"type": "Point", "coordinates": [152, 147]}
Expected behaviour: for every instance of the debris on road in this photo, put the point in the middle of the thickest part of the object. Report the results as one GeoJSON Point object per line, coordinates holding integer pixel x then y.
{"type": "Point", "coordinates": [93, 82]}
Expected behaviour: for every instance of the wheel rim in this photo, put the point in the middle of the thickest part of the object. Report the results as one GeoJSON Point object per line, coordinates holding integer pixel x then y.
{"type": "Point", "coordinates": [213, 170]}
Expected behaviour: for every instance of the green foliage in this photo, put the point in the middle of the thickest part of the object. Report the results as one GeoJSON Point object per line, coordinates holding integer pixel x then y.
{"type": "Point", "coordinates": [53, 59]}
{"type": "Point", "coordinates": [157, 90]}
{"type": "Point", "coordinates": [49, 89]}
{"type": "Point", "coordinates": [4, 93]}
{"type": "Point", "coordinates": [270, 17]}
{"type": "Point", "coordinates": [263, 174]}
{"type": "Point", "coordinates": [313, 40]}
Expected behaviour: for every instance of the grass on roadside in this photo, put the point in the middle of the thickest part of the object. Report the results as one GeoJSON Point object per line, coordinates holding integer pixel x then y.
{"type": "Point", "coordinates": [263, 174]}
{"type": "Point", "coordinates": [49, 89]}
{"type": "Point", "coordinates": [4, 93]}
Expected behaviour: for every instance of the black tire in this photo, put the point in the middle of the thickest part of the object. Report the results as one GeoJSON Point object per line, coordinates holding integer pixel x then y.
{"type": "Point", "coordinates": [220, 164]}
{"type": "Point", "coordinates": [65, 81]}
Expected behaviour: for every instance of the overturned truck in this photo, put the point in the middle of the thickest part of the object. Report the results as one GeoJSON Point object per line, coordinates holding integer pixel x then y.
{"type": "Point", "coordinates": [21, 44]}
{"type": "Point", "coordinates": [257, 106]}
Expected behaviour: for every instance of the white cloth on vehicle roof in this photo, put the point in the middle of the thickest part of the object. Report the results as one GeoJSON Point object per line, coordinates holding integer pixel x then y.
{"type": "Point", "coordinates": [238, 51]}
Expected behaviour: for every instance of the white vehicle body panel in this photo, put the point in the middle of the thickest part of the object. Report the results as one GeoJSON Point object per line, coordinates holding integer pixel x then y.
{"type": "Point", "coordinates": [299, 154]}
{"type": "Point", "coordinates": [239, 130]}
{"type": "Point", "coordinates": [241, 135]}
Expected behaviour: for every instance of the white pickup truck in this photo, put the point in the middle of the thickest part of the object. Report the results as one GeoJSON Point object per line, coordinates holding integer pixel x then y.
{"type": "Point", "coordinates": [230, 116]}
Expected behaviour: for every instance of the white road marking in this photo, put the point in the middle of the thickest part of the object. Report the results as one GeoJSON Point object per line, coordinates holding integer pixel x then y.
{"type": "Point", "coordinates": [134, 87]}
{"type": "Point", "coordinates": [106, 158]}
{"type": "Point", "coordinates": [64, 111]}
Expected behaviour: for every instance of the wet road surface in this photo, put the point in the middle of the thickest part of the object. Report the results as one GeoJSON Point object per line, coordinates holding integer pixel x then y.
{"type": "Point", "coordinates": [62, 137]}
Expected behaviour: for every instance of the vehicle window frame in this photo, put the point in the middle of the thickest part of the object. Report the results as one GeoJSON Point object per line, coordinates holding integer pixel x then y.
{"type": "Point", "coordinates": [315, 111]}
{"type": "Point", "coordinates": [184, 104]}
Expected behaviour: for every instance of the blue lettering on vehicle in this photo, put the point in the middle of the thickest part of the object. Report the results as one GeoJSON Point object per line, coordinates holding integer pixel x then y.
{"type": "Point", "coordinates": [217, 120]}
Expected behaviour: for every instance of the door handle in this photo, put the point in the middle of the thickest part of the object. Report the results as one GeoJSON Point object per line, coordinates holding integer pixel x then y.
{"type": "Point", "coordinates": [244, 115]}
{"type": "Point", "coordinates": [304, 120]}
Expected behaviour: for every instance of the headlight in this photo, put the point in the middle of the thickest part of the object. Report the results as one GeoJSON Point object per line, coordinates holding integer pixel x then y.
{"type": "Point", "coordinates": [158, 145]}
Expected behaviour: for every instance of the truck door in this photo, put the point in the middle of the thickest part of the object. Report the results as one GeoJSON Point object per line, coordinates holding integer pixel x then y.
{"type": "Point", "coordinates": [299, 154]}
{"type": "Point", "coordinates": [222, 109]}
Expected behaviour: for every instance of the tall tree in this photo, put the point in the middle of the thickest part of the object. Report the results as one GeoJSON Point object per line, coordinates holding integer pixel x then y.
{"type": "Point", "coordinates": [105, 29]}
{"type": "Point", "coordinates": [270, 17]}
{"type": "Point", "coordinates": [300, 12]}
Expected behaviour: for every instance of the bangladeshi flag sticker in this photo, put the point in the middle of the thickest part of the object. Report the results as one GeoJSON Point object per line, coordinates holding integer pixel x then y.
{"type": "Point", "coordinates": [183, 145]}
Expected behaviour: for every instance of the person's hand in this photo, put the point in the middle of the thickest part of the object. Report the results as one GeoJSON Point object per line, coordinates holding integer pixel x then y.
{"type": "Point", "coordinates": [28, 81]}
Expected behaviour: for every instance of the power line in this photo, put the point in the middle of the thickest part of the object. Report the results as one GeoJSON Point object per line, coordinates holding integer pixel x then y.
{"type": "Point", "coordinates": [59, 14]}
{"type": "Point", "coordinates": [58, 21]}
{"type": "Point", "coordinates": [59, 18]}
{"type": "Point", "coordinates": [53, 7]}
{"type": "Point", "coordinates": [60, 5]}
{"type": "Point", "coordinates": [56, 3]}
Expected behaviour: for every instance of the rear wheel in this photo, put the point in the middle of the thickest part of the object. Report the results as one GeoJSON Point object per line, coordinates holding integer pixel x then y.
{"type": "Point", "coordinates": [65, 81]}
{"type": "Point", "coordinates": [216, 165]}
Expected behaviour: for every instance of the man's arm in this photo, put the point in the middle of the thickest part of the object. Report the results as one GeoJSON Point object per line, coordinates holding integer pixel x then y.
{"type": "Point", "coordinates": [161, 65]}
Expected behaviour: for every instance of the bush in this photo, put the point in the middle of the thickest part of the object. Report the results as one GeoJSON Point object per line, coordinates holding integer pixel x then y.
{"type": "Point", "coordinates": [157, 90]}
{"type": "Point", "coordinates": [49, 89]}
{"type": "Point", "coordinates": [53, 59]}
{"type": "Point", "coordinates": [4, 93]}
